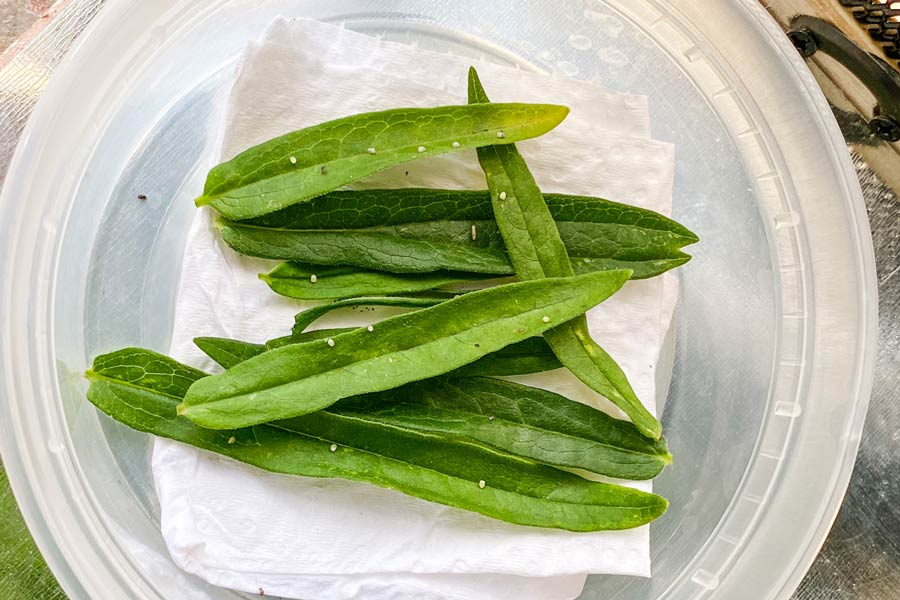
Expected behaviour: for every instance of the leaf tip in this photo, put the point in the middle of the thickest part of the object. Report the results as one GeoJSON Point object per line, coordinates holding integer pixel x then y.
{"type": "Point", "coordinates": [557, 113]}
{"type": "Point", "coordinates": [202, 201]}
{"type": "Point", "coordinates": [477, 95]}
{"type": "Point", "coordinates": [662, 505]}
{"type": "Point", "coordinates": [618, 277]}
{"type": "Point", "coordinates": [652, 430]}
{"type": "Point", "coordinates": [474, 79]}
{"type": "Point", "coordinates": [201, 342]}
{"type": "Point", "coordinates": [666, 458]}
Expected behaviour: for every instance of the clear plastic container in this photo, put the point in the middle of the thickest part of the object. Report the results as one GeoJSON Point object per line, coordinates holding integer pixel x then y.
{"type": "Point", "coordinates": [775, 331]}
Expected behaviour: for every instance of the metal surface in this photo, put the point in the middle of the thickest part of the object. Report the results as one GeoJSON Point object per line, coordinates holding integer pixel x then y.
{"type": "Point", "coordinates": [860, 560]}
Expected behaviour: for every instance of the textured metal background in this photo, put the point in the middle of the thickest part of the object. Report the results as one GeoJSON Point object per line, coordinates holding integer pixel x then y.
{"type": "Point", "coordinates": [860, 560]}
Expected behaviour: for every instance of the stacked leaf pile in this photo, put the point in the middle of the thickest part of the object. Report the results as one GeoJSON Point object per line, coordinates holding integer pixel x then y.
{"type": "Point", "coordinates": [413, 402]}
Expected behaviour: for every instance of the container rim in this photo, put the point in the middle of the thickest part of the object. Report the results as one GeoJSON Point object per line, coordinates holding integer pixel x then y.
{"type": "Point", "coordinates": [74, 543]}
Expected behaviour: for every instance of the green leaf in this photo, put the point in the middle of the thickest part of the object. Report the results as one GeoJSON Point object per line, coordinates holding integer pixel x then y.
{"type": "Point", "coordinates": [414, 248]}
{"type": "Point", "coordinates": [131, 386]}
{"type": "Point", "coordinates": [522, 420]}
{"type": "Point", "coordinates": [536, 250]}
{"type": "Point", "coordinates": [294, 280]}
{"type": "Point", "coordinates": [359, 209]}
{"type": "Point", "coordinates": [304, 319]}
{"type": "Point", "coordinates": [378, 229]}
{"type": "Point", "coordinates": [528, 356]}
{"type": "Point", "coordinates": [310, 162]}
{"type": "Point", "coordinates": [146, 369]}
{"type": "Point", "coordinates": [310, 336]}
{"type": "Point", "coordinates": [226, 352]}
{"type": "Point", "coordinates": [302, 378]}
{"type": "Point", "coordinates": [289, 339]}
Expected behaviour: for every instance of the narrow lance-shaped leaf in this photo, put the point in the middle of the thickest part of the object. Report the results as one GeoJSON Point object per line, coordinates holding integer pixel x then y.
{"type": "Point", "coordinates": [522, 420]}
{"type": "Point", "coordinates": [142, 389]}
{"type": "Point", "coordinates": [309, 282]}
{"type": "Point", "coordinates": [378, 229]}
{"type": "Point", "coordinates": [414, 248]}
{"type": "Point", "coordinates": [528, 356]}
{"type": "Point", "coordinates": [302, 378]}
{"type": "Point", "coordinates": [307, 163]}
{"type": "Point", "coordinates": [537, 250]}
{"type": "Point", "coordinates": [356, 209]}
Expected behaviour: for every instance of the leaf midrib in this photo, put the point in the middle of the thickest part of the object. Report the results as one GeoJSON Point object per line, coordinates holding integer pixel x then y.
{"type": "Point", "coordinates": [221, 221]}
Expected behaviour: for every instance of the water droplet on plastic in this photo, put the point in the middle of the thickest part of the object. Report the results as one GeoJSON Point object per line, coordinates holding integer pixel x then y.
{"type": "Point", "coordinates": [580, 42]}
{"type": "Point", "coordinates": [608, 24]}
{"type": "Point", "coordinates": [613, 56]}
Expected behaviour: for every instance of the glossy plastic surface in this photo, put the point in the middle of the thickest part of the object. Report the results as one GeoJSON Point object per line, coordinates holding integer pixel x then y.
{"type": "Point", "coordinates": [774, 334]}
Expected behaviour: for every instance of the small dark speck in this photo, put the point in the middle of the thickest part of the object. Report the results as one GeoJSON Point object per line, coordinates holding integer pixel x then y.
{"type": "Point", "coordinates": [262, 592]}
{"type": "Point", "coordinates": [478, 345]}
{"type": "Point", "coordinates": [407, 173]}
{"type": "Point", "coordinates": [142, 196]}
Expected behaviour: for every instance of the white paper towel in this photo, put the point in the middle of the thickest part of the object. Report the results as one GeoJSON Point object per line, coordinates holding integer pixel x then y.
{"type": "Point", "coordinates": [246, 529]}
